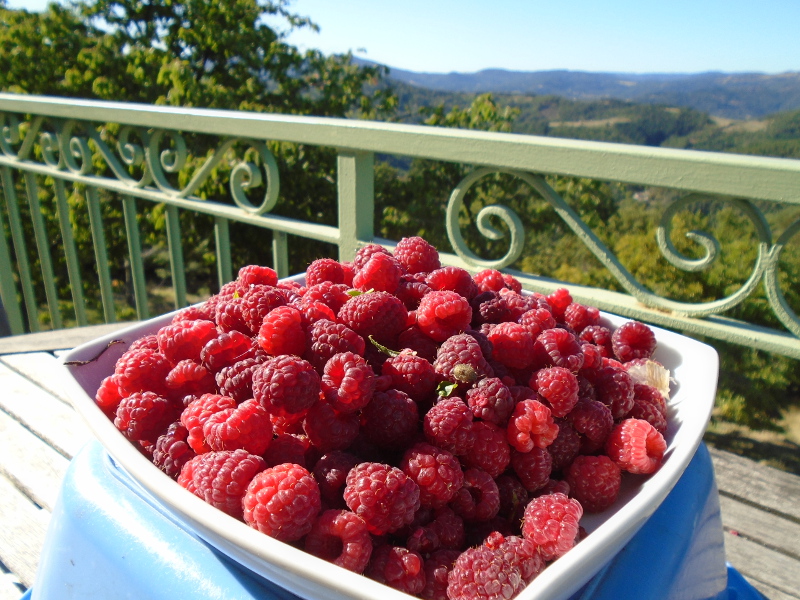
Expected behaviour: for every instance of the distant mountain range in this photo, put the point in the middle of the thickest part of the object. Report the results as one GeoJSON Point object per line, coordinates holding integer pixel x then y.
{"type": "Point", "coordinates": [728, 95]}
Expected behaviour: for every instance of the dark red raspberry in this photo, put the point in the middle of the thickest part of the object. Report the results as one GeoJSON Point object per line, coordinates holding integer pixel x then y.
{"type": "Point", "coordinates": [437, 568]}
{"type": "Point", "coordinates": [649, 405]}
{"type": "Point", "coordinates": [490, 451]}
{"type": "Point", "coordinates": [533, 468]}
{"type": "Point", "coordinates": [286, 385]}
{"type": "Point", "coordinates": [594, 481]}
{"type": "Point", "coordinates": [513, 498]}
{"type": "Point", "coordinates": [518, 304]}
{"type": "Point", "coordinates": [437, 473]}
{"type": "Point", "coordinates": [554, 486]}
{"type": "Point", "coordinates": [326, 338]}
{"type": "Point", "coordinates": [614, 388]}
{"type": "Point", "coordinates": [413, 339]}
{"type": "Point", "coordinates": [636, 446]}
{"type": "Point", "coordinates": [255, 275]}
{"type": "Point", "coordinates": [331, 472]}
{"type": "Point", "coordinates": [398, 568]}
{"type": "Point", "coordinates": [195, 415]}
{"type": "Point", "coordinates": [559, 300]}
{"type": "Point", "coordinates": [417, 255]}
{"type": "Point", "coordinates": [633, 340]}
{"type": "Point", "coordinates": [381, 273]}
{"type": "Point", "coordinates": [411, 293]}
{"type": "Point", "coordinates": [226, 349]}
{"type": "Point", "coordinates": [650, 395]}
{"type": "Point", "coordinates": [459, 350]}
{"type": "Point", "coordinates": [365, 252]}
{"type": "Point", "coordinates": [558, 347]}
{"type": "Point", "coordinates": [566, 446]}
{"type": "Point", "coordinates": [171, 451]}
{"type": "Point", "coordinates": [551, 524]}
{"type": "Point", "coordinates": [328, 429]}
{"type": "Point", "coordinates": [185, 340]}
{"type": "Point", "coordinates": [221, 478]}
{"type": "Point", "coordinates": [593, 420]}
{"type": "Point", "coordinates": [478, 499]}
{"type": "Point", "coordinates": [258, 301]}
{"type": "Point", "coordinates": [333, 295]}
{"type": "Point", "coordinates": [442, 314]}
{"type": "Point", "coordinates": [599, 336]}
{"type": "Point", "coordinates": [448, 527]}
{"type": "Point", "coordinates": [559, 386]}
{"type": "Point", "coordinates": [324, 269]}
{"type": "Point", "coordinates": [236, 380]}
{"type": "Point", "coordinates": [454, 279]}
{"type": "Point", "coordinates": [142, 370]}
{"type": "Point", "coordinates": [382, 495]}
{"type": "Point", "coordinates": [340, 537]}
{"type": "Point", "coordinates": [108, 395]}
{"type": "Point", "coordinates": [247, 427]}
{"type": "Point", "coordinates": [531, 426]}
{"type": "Point", "coordinates": [348, 382]}
{"type": "Point", "coordinates": [144, 416]}
{"type": "Point", "coordinates": [188, 378]}
{"type": "Point", "coordinates": [229, 316]}
{"type": "Point", "coordinates": [411, 374]}
{"type": "Point", "coordinates": [282, 501]}
{"type": "Point", "coordinates": [378, 314]}
{"type": "Point", "coordinates": [513, 345]}
{"type": "Point", "coordinates": [448, 424]}
{"type": "Point", "coordinates": [490, 307]}
{"type": "Point", "coordinates": [290, 448]}
{"type": "Point", "coordinates": [283, 332]}
{"type": "Point", "coordinates": [390, 420]}
{"type": "Point", "coordinates": [491, 400]}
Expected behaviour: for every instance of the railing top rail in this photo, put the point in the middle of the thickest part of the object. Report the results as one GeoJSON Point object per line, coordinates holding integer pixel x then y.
{"type": "Point", "coordinates": [761, 178]}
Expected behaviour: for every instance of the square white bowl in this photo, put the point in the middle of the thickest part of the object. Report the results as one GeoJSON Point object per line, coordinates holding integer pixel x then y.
{"type": "Point", "coordinates": [693, 366]}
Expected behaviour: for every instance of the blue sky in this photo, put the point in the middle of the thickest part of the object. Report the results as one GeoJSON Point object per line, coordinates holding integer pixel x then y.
{"type": "Point", "coordinates": [635, 36]}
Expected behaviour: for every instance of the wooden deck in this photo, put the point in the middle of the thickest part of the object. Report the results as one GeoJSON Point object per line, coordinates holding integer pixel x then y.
{"type": "Point", "coordinates": [39, 434]}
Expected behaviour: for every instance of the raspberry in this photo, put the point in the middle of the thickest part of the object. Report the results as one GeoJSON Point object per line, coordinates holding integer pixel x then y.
{"type": "Point", "coordinates": [437, 473]}
{"type": "Point", "coordinates": [340, 537]}
{"type": "Point", "coordinates": [453, 279]}
{"type": "Point", "coordinates": [489, 280]}
{"type": "Point", "coordinates": [558, 347]}
{"type": "Point", "coordinates": [289, 448]}
{"type": "Point", "coordinates": [614, 388]}
{"type": "Point", "coordinates": [328, 429]}
{"type": "Point", "coordinates": [185, 339]}
{"type": "Point", "coordinates": [108, 395]}
{"type": "Point", "coordinates": [365, 252]}
{"type": "Point", "coordinates": [398, 568]}
{"type": "Point", "coordinates": [390, 419]}
{"type": "Point", "coordinates": [559, 300]}
{"type": "Point", "coordinates": [513, 345]}
{"type": "Point", "coordinates": [490, 307]}
{"type": "Point", "coordinates": [513, 498]}
{"type": "Point", "coordinates": [411, 374]}
{"type": "Point", "coordinates": [633, 340]}
{"type": "Point", "coordinates": [448, 528]}
{"type": "Point", "coordinates": [411, 293]}
{"type": "Point", "coordinates": [599, 336]}
{"type": "Point", "coordinates": [485, 573]}
{"type": "Point", "coordinates": [195, 415]}
{"type": "Point", "coordinates": [592, 356]}
{"type": "Point", "coordinates": [378, 314]}
{"type": "Point", "coordinates": [257, 303]}
{"type": "Point", "coordinates": [442, 314]}
{"type": "Point", "coordinates": [221, 478]}
{"type": "Point", "coordinates": [478, 499]}
{"type": "Point", "coordinates": [229, 316]}
{"type": "Point", "coordinates": [226, 349]}
{"type": "Point", "coordinates": [559, 386]}
{"type": "Point", "coordinates": [513, 283]}
{"type": "Point", "coordinates": [286, 385]}
{"type": "Point", "coordinates": [171, 451]}
{"type": "Point", "coordinates": [330, 472]}
{"type": "Point", "coordinates": [533, 468]}
{"type": "Point", "coordinates": [417, 255]}
{"type": "Point", "coordinates": [491, 400]}
{"type": "Point", "coordinates": [255, 275]}
{"type": "Point", "coordinates": [144, 416]}
{"type": "Point", "coordinates": [142, 370]}
{"type": "Point", "coordinates": [150, 342]}
{"type": "Point", "coordinates": [188, 378]}
{"type": "Point", "coordinates": [348, 382]}
{"type": "Point", "coordinates": [282, 332]}
{"type": "Point", "coordinates": [332, 295]}
{"type": "Point", "coordinates": [437, 568]}
{"type": "Point", "coordinates": [413, 339]}
{"type": "Point", "coordinates": [518, 552]}
{"type": "Point", "coordinates": [636, 446]}
{"type": "Point", "coordinates": [247, 427]}
{"type": "Point", "coordinates": [579, 317]}
{"type": "Point", "coordinates": [566, 446]}
{"type": "Point", "coordinates": [537, 320]}
{"type": "Point", "coordinates": [517, 304]}
{"type": "Point", "coordinates": [531, 426]}
{"type": "Point", "coordinates": [326, 338]}
{"type": "Point", "coordinates": [236, 380]}
{"type": "Point", "coordinates": [593, 420]}
{"type": "Point", "coordinates": [594, 481]}
{"type": "Point", "coordinates": [448, 424]}
{"type": "Point", "coordinates": [457, 350]}
{"type": "Point", "coordinates": [324, 269]}
{"type": "Point", "coordinates": [551, 524]}
{"type": "Point", "coordinates": [282, 501]}
{"type": "Point", "coordinates": [490, 451]}
{"type": "Point", "coordinates": [382, 495]}
{"type": "Point", "coordinates": [381, 272]}
{"type": "Point", "coordinates": [650, 395]}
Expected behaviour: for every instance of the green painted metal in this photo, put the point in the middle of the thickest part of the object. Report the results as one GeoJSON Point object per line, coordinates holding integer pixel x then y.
{"type": "Point", "coordinates": [71, 254]}
{"type": "Point", "coordinates": [101, 254]}
{"type": "Point", "coordinates": [222, 238]}
{"type": "Point", "coordinates": [280, 253]}
{"type": "Point", "coordinates": [176, 256]}
{"type": "Point", "coordinates": [356, 192]}
{"type": "Point", "coordinates": [135, 253]}
{"type": "Point", "coordinates": [8, 289]}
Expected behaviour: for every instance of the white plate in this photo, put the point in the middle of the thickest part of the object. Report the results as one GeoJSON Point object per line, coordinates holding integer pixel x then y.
{"type": "Point", "coordinates": [694, 367]}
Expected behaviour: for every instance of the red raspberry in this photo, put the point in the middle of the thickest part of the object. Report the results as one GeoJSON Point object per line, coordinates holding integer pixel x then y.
{"type": "Point", "coordinates": [592, 357]}
{"type": "Point", "coordinates": [411, 293]}
{"type": "Point", "coordinates": [314, 311]}
{"type": "Point", "coordinates": [633, 340]}
{"type": "Point", "coordinates": [513, 283]}
{"type": "Point", "coordinates": [579, 317]}
{"type": "Point", "coordinates": [365, 252]}
{"type": "Point", "coordinates": [559, 300]}
{"type": "Point", "coordinates": [340, 537]}
{"type": "Point", "coordinates": [559, 386]}
{"type": "Point", "coordinates": [185, 339]}
{"type": "Point", "coordinates": [144, 416]}
{"type": "Point", "coordinates": [566, 446]}
{"type": "Point", "coordinates": [413, 339]}
{"type": "Point", "coordinates": [459, 350]}
{"type": "Point", "coordinates": [326, 338]}
{"type": "Point", "coordinates": [328, 429]}
{"type": "Point", "coordinates": [599, 336]}
{"type": "Point", "coordinates": [437, 473]}
{"type": "Point", "coordinates": [636, 446]}
{"type": "Point", "coordinates": [282, 501]}
{"type": "Point", "coordinates": [492, 573]}
{"type": "Point", "coordinates": [150, 342]}
{"type": "Point", "coordinates": [221, 478]}
{"type": "Point", "coordinates": [255, 275]}
{"type": "Point", "coordinates": [442, 314]}
{"type": "Point", "coordinates": [398, 568]}
{"type": "Point", "coordinates": [108, 395]}
{"type": "Point", "coordinates": [594, 481]}
{"type": "Point", "coordinates": [282, 332]}
{"type": "Point", "coordinates": [171, 451]}
{"type": "Point", "coordinates": [518, 552]}
{"type": "Point", "coordinates": [289, 448]}
{"type": "Point", "coordinates": [489, 280]}
{"type": "Point", "coordinates": [593, 420]}
{"type": "Point", "coordinates": [533, 468]}
{"type": "Point", "coordinates": [348, 382]}
{"type": "Point", "coordinates": [448, 528]}
{"type": "Point", "coordinates": [490, 451]}
{"type": "Point", "coordinates": [491, 400]}
{"type": "Point", "coordinates": [142, 370]}
{"type": "Point", "coordinates": [448, 424]}
{"type": "Point", "coordinates": [378, 314]}
{"type": "Point", "coordinates": [614, 388]}
{"type": "Point", "coordinates": [417, 255]}
{"type": "Point", "coordinates": [258, 302]}
{"type": "Point", "coordinates": [247, 427]}
{"type": "Point", "coordinates": [411, 374]}
{"type": "Point", "coordinates": [650, 395]}
{"type": "Point", "coordinates": [286, 385]}
{"type": "Point", "coordinates": [333, 295]}
{"type": "Point", "coordinates": [199, 312]}
{"type": "Point", "coordinates": [330, 472]}
{"type": "Point", "coordinates": [531, 425]}
{"type": "Point", "coordinates": [551, 524]}
{"type": "Point", "coordinates": [437, 568]}
{"type": "Point", "coordinates": [513, 345]}
{"type": "Point", "coordinates": [324, 269]}
{"type": "Point", "coordinates": [558, 347]}
{"type": "Point", "coordinates": [229, 316]}
{"type": "Point", "coordinates": [226, 349]}
{"type": "Point", "coordinates": [188, 378]}
{"type": "Point", "coordinates": [478, 499]}
{"type": "Point", "coordinates": [382, 495]}
{"type": "Point", "coordinates": [195, 415]}
{"type": "Point", "coordinates": [453, 279]}
{"type": "Point", "coordinates": [236, 380]}
{"type": "Point", "coordinates": [381, 273]}
{"type": "Point", "coordinates": [390, 420]}
{"type": "Point", "coordinates": [537, 320]}
{"type": "Point", "coordinates": [517, 304]}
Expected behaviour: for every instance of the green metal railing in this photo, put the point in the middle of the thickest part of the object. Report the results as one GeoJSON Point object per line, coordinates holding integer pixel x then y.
{"type": "Point", "coordinates": [64, 142]}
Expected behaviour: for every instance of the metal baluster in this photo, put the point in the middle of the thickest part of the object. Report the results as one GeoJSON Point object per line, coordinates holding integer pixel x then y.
{"type": "Point", "coordinates": [280, 253]}
{"type": "Point", "coordinates": [71, 254]}
{"type": "Point", "coordinates": [222, 238]}
{"type": "Point", "coordinates": [8, 290]}
{"type": "Point", "coordinates": [356, 190]}
{"type": "Point", "coordinates": [135, 250]}
{"type": "Point", "coordinates": [101, 254]}
{"type": "Point", "coordinates": [176, 256]}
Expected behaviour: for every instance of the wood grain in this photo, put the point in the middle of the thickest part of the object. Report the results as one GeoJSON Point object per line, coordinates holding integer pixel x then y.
{"type": "Point", "coordinates": [24, 529]}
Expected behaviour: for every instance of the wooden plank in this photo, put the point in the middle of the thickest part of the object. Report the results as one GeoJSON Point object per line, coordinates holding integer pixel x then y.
{"type": "Point", "coordinates": [761, 527]}
{"type": "Point", "coordinates": [23, 526]}
{"type": "Point", "coordinates": [49, 418]}
{"type": "Point", "coordinates": [60, 339]}
{"type": "Point", "coordinates": [758, 484]}
{"type": "Point", "coordinates": [764, 567]}
{"type": "Point", "coordinates": [39, 368]}
{"type": "Point", "coordinates": [35, 467]}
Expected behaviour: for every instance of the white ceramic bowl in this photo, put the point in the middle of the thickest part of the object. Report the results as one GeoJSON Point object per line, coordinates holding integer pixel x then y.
{"type": "Point", "coordinates": [693, 365]}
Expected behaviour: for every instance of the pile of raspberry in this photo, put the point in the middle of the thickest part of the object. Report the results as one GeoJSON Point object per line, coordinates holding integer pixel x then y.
{"type": "Point", "coordinates": [439, 432]}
